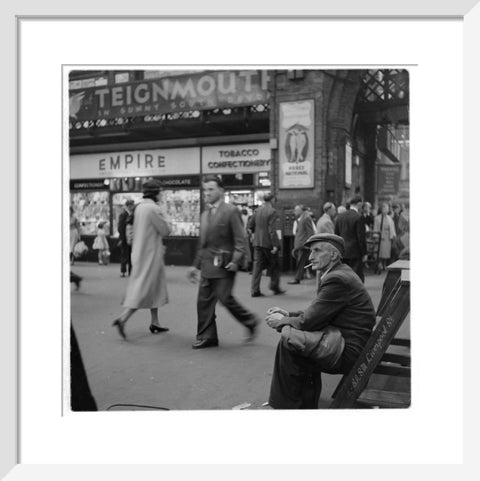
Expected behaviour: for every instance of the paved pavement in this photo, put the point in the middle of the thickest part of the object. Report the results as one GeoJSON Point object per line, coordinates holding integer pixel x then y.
{"type": "Point", "coordinates": [163, 370]}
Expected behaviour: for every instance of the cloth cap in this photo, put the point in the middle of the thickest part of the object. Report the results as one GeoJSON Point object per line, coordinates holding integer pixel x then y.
{"type": "Point", "coordinates": [332, 239]}
{"type": "Point", "coordinates": [151, 186]}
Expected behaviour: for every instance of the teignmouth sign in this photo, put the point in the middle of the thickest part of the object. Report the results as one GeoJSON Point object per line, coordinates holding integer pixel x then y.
{"type": "Point", "coordinates": [193, 91]}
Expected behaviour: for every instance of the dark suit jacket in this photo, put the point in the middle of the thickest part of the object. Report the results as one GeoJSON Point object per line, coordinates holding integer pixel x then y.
{"type": "Point", "coordinates": [224, 236]}
{"type": "Point", "coordinates": [343, 302]}
{"type": "Point", "coordinates": [122, 224]}
{"type": "Point", "coordinates": [264, 224]}
{"type": "Point", "coordinates": [351, 227]}
{"type": "Point", "coordinates": [304, 230]}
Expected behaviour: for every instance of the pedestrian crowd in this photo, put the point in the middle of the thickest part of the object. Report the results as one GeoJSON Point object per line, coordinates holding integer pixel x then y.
{"type": "Point", "coordinates": [327, 336]}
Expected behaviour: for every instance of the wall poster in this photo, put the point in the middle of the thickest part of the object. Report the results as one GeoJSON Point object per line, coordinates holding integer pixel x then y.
{"type": "Point", "coordinates": [296, 145]}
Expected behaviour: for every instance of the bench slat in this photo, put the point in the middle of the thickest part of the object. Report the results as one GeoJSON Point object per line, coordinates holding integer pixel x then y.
{"type": "Point", "coordinates": [384, 399]}
{"type": "Point", "coordinates": [393, 370]}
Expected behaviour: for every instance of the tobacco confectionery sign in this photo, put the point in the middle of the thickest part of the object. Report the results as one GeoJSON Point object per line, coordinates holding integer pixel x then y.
{"type": "Point", "coordinates": [191, 91]}
{"type": "Point", "coordinates": [237, 158]}
{"type": "Point", "coordinates": [296, 145]}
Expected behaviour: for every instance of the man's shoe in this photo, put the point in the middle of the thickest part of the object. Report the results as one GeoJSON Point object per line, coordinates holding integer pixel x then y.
{"type": "Point", "coordinates": [78, 281]}
{"type": "Point", "coordinates": [294, 282]}
{"type": "Point", "coordinates": [202, 343]}
{"type": "Point", "coordinates": [253, 330]}
{"type": "Point", "coordinates": [278, 292]}
{"type": "Point", "coordinates": [258, 294]}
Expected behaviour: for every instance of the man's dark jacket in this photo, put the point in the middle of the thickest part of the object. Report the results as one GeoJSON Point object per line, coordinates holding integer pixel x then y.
{"type": "Point", "coordinates": [221, 234]}
{"type": "Point", "coordinates": [264, 225]}
{"type": "Point", "coordinates": [351, 228]}
{"type": "Point", "coordinates": [122, 224]}
{"type": "Point", "coordinates": [343, 302]}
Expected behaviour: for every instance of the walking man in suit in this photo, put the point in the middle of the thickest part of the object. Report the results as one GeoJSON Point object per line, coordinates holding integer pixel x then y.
{"type": "Point", "coordinates": [303, 232]}
{"type": "Point", "coordinates": [351, 228]}
{"type": "Point", "coordinates": [126, 248]}
{"type": "Point", "coordinates": [266, 245]}
{"type": "Point", "coordinates": [221, 251]}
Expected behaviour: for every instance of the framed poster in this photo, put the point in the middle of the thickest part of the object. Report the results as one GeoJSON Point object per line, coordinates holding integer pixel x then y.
{"type": "Point", "coordinates": [388, 179]}
{"type": "Point", "coordinates": [296, 144]}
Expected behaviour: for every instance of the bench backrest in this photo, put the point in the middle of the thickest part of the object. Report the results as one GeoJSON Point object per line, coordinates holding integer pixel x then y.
{"type": "Point", "coordinates": [394, 314]}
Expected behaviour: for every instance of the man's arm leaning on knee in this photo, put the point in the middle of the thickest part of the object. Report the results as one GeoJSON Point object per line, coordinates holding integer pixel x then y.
{"type": "Point", "coordinates": [321, 312]}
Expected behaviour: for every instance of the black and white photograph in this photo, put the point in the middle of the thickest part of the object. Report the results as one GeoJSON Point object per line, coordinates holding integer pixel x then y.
{"type": "Point", "coordinates": [238, 239]}
{"type": "Point", "coordinates": [224, 263]}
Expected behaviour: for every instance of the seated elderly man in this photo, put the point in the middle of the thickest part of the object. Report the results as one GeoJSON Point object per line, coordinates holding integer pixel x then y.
{"type": "Point", "coordinates": [328, 336]}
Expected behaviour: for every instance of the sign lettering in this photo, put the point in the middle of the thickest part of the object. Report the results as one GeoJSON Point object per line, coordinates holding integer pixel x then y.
{"type": "Point", "coordinates": [165, 162]}
{"type": "Point", "coordinates": [242, 158]}
{"type": "Point", "coordinates": [217, 89]}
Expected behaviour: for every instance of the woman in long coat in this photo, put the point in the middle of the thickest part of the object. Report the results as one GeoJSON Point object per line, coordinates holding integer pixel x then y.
{"type": "Point", "coordinates": [384, 224]}
{"type": "Point", "coordinates": [147, 285]}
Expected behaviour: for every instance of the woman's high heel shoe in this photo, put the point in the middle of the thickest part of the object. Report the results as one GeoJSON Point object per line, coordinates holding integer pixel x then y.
{"type": "Point", "coordinates": [120, 326]}
{"type": "Point", "coordinates": [154, 329]}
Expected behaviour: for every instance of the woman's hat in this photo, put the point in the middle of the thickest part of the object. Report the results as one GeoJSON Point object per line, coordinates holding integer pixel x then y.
{"type": "Point", "coordinates": [151, 187]}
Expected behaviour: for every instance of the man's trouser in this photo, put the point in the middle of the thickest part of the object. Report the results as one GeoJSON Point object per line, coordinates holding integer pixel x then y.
{"type": "Point", "coordinates": [302, 260]}
{"type": "Point", "coordinates": [263, 259]}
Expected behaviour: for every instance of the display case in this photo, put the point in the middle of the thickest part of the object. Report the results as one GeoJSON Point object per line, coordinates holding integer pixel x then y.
{"type": "Point", "coordinates": [90, 208]}
{"type": "Point", "coordinates": [245, 197]}
{"type": "Point", "coordinates": [183, 208]}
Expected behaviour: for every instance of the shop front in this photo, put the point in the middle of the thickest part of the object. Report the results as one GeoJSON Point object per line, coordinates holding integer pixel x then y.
{"type": "Point", "coordinates": [102, 182]}
{"type": "Point", "coordinates": [245, 170]}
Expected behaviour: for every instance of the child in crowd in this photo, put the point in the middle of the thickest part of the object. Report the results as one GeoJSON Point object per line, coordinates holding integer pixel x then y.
{"type": "Point", "coordinates": [101, 243]}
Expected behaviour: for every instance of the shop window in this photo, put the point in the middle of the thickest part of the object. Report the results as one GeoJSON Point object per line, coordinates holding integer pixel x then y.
{"type": "Point", "coordinates": [183, 208]}
{"type": "Point", "coordinates": [90, 208]}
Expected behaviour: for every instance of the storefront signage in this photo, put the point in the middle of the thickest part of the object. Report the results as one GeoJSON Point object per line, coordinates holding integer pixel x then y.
{"type": "Point", "coordinates": [191, 91]}
{"type": "Point", "coordinates": [134, 163]}
{"type": "Point", "coordinates": [296, 145]}
{"type": "Point", "coordinates": [190, 181]}
{"type": "Point", "coordinates": [238, 158]}
{"type": "Point", "coordinates": [88, 185]}
{"type": "Point", "coordinates": [388, 179]}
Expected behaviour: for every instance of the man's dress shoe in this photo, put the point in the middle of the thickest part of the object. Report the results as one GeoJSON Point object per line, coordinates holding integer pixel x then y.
{"type": "Point", "coordinates": [202, 343]}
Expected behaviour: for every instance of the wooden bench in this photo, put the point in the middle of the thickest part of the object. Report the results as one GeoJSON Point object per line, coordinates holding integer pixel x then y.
{"type": "Point", "coordinates": [351, 391]}
{"type": "Point", "coordinates": [393, 274]}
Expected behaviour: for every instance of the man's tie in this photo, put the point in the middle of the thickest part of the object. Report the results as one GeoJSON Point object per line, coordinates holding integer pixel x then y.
{"type": "Point", "coordinates": [211, 212]}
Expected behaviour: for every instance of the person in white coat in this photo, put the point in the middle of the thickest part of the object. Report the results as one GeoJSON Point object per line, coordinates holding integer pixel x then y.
{"type": "Point", "coordinates": [147, 285]}
{"type": "Point", "coordinates": [385, 225]}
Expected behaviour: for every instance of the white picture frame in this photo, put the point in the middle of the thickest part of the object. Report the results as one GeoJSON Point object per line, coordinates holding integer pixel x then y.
{"type": "Point", "coordinates": [10, 442]}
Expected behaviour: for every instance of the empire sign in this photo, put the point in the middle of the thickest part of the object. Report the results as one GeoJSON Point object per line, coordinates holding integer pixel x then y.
{"type": "Point", "coordinates": [206, 90]}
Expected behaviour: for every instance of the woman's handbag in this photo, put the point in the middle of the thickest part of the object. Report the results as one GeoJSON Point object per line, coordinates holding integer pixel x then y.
{"type": "Point", "coordinates": [80, 249]}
